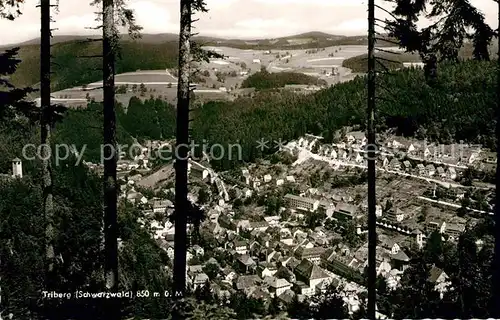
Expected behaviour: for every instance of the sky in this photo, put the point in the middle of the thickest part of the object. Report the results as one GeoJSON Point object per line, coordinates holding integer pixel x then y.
{"type": "Point", "coordinates": [242, 19]}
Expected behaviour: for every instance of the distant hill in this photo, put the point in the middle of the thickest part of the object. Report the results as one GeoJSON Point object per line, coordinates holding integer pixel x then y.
{"type": "Point", "coordinates": [72, 69]}
{"type": "Point", "coordinates": [392, 61]}
{"type": "Point", "coordinates": [151, 52]}
{"type": "Point", "coordinates": [306, 40]}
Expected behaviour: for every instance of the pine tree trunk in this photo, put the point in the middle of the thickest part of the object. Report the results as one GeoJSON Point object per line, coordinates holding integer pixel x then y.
{"type": "Point", "coordinates": [496, 273]}
{"type": "Point", "coordinates": [110, 157]}
{"type": "Point", "coordinates": [181, 164]}
{"type": "Point", "coordinates": [372, 237]}
{"type": "Point", "coordinates": [46, 128]}
{"type": "Point", "coordinates": [430, 68]}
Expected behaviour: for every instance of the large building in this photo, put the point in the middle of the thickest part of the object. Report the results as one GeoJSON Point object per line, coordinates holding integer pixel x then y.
{"type": "Point", "coordinates": [303, 203]}
{"type": "Point", "coordinates": [345, 211]}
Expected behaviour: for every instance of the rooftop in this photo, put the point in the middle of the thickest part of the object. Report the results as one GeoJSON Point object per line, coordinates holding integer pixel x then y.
{"type": "Point", "coordinates": [303, 199]}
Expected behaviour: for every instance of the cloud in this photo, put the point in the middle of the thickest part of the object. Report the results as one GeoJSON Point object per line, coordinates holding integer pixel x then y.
{"type": "Point", "coordinates": [244, 19]}
{"type": "Point", "coordinates": [259, 23]}
{"type": "Point", "coordinates": [154, 17]}
{"type": "Point", "coordinates": [315, 3]}
{"type": "Point", "coordinates": [352, 25]}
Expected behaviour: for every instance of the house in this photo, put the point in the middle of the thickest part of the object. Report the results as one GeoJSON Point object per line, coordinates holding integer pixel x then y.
{"type": "Point", "coordinates": [197, 171]}
{"type": "Point", "coordinates": [255, 183]}
{"type": "Point", "coordinates": [411, 148]}
{"type": "Point", "coordinates": [242, 224]}
{"type": "Point", "coordinates": [312, 254]}
{"type": "Point", "coordinates": [430, 170]}
{"type": "Point", "coordinates": [255, 248]}
{"type": "Point", "coordinates": [343, 155]}
{"type": "Point", "coordinates": [266, 269]}
{"type": "Point", "coordinates": [199, 280]}
{"type": "Point", "coordinates": [245, 175]}
{"type": "Point", "coordinates": [436, 226]}
{"type": "Point", "coordinates": [261, 237]}
{"type": "Point", "coordinates": [240, 246]}
{"type": "Point", "coordinates": [399, 259]}
{"type": "Point", "coordinates": [333, 154]}
{"type": "Point", "coordinates": [290, 179]}
{"type": "Point", "coordinates": [277, 286]}
{"type": "Point", "coordinates": [395, 215]}
{"type": "Point", "coordinates": [460, 194]}
{"type": "Point", "coordinates": [137, 198]}
{"type": "Point", "coordinates": [395, 144]}
{"type": "Point", "coordinates": [407, 165]}
{"type": "Point", "coordinates": [451, 173]}
{"type": "Point", "coordinates": [296, 202]}
{"type": "Point", "coordinates": [229, 274]}
{"type": "Point", "coordinates": [246, 192]}
{"type": "Point", "coordinates": [440, 280]}
{"type": "Point", "coordinates": [394, 164]}
{"type": "Point", "coordinates": [198, 250]}
{"type": "Point", "coordinates": [285, 273]}
{"type": "Point", "coordinates": [267, 178]}
{"type": "Point", "coordinates": [247, 262]}
{"type": "Point", "coordinates": [419, 238]}
{"type": "Point", "coordinates": [384, 161]}
{"type": "Point", "coordinates": [258, 225]}
{"type": "Point", "coordinates": [326, 207]}
{"type": "Point", "coordinates": [378, 210]}
{"type": "Point", "coordinates": [440, 172]}
{"type": "Point", "coordinates": [421, 170]}
{"type": "Point", "coordinates": [259, 293]}
{"type": "Point", "coordinates": [310, 273]}
{"type": "Point", "coordinates": [247, 282]}
{"type": "Point", "coordinates": [303, 289]}
{"type": "Point", "coordinates": [286, 297]}
{"type": "Point", "coordinates": [384, 268]}
{"type": "Point", "coordinates": [454, 230]}
{"type": "Point", "coordinates": [193, 270]}
{"type": "Point", "coordinates": [319, 239]}
{"type": "Point", "coordinates": [226, 222]}
{"type": "Point", "coordinates": [272, 220]}
{"type": "Point", "coordinates": [280, 182]}
{"type": "Point", "coordinates": [17, 168]}
{"type": "Point", "coordinates": [427, 152]}
{"type": "Point", "coordinates": [358, 158]}
{"type": "Point", "coordinates": [304, 242]}
{"type": "Point", "coordinates": [345, 211]}
{"type": "Point", "coordinates": [170, 252]}
{"type": "Point", "coordinates": [473, 157]}
{"type": "Point", "coordinates": [357, 137]}
{"type": "Point", "coordinates": [270, 255]}
{"type": "Point", "coordinates": [161, 206]}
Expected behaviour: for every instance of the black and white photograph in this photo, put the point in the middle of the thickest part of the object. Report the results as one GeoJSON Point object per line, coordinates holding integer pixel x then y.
{"type": "Point", "coordinates": [249, 159]}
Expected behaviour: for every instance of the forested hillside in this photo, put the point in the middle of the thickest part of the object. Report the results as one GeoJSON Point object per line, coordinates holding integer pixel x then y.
{"type": "Point", "coordinates": [392, 61]}
{"type": "Point", "coordinates": [78, 212]}
{"type": "Point", "coordinates": [386, 61]}
{"type": "Point", "coordinates": [71, 69]}
{"type": "Point", "coordinates": [151, 119]}
{"type": "Point", "coordinates": [459, 107]}
{"type": "Point", "coordinates": [267, 80]}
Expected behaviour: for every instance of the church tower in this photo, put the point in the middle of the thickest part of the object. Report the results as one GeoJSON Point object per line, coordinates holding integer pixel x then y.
{"type": "Point", "coordinates": [17, 168]}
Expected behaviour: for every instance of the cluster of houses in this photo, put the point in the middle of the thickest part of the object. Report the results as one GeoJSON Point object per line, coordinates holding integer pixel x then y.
{"type": "Point", "coordinates": [255, 183]}
{"type": "Point", "coordinates": [275, 261]}
{"type": "Point", "coordinates": [275, 258]}
{"type": "Point", "coordinates": [412, 158]}
{"type": "Point", "coordinates": [272, 258]}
